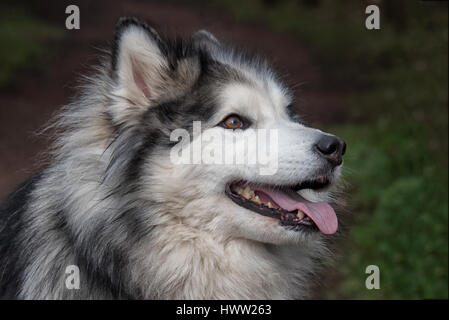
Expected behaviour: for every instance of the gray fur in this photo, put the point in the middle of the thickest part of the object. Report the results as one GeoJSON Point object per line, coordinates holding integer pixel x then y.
{"type": "Point", "coordinates": [109, 204]}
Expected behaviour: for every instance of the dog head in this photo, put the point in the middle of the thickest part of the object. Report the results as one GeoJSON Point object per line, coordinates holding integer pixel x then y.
{"type": "Point", "coordinates": [208, 136]}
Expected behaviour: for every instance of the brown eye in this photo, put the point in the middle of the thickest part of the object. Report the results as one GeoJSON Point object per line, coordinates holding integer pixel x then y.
{"type": "Point", "coordinates": [233, 122]}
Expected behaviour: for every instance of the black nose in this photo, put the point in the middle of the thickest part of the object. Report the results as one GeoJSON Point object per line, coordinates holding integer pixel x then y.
{"type": "Point", "coordinates": [332, 148]}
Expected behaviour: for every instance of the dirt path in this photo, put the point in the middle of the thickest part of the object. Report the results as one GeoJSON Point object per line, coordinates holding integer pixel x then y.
{"type": "Point", "coordinates": [27, 108]}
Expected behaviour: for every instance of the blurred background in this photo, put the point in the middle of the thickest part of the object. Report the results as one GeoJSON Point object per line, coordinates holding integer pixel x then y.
{"type": "Point", "coordinates": [384, 91]}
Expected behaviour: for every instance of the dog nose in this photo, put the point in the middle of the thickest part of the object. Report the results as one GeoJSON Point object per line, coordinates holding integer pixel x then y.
{"type": "Point", "coordinates": [332, 148]}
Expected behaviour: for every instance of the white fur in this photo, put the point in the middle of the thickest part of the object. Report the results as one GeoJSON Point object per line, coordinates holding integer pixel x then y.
{"type": "Point", "coordinates": [202, 245]}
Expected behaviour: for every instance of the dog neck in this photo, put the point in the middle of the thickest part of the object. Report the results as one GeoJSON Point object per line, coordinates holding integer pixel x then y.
{"type": "Point", "coordinates": [183, 264]}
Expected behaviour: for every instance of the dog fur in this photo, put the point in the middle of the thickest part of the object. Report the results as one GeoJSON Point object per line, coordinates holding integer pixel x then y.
{"type": "Point", "coordinates": [139, 227]}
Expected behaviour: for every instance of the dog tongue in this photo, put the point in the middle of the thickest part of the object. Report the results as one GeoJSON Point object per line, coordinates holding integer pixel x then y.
{"type": "Point", "coordinates": [321, 213]}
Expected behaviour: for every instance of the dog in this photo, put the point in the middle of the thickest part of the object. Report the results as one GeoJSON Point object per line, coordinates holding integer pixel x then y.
{"type": "Point", "coordinates": [131, 223]}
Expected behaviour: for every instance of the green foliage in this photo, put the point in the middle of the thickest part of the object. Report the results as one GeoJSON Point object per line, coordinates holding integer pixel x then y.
{"type": "Point", "coordinates": [400, 207]}
{"type": "Point", "coordinates": [23, 40]}
{"type": "Point", "coordinates": [397, 160]}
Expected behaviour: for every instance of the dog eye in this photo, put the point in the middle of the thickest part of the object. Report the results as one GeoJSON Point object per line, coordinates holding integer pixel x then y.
{"type": "Point", "coordinates": [232, 122]}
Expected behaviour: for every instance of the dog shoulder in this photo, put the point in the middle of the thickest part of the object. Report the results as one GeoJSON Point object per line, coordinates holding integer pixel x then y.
{"type": "Point", "coordinates": [11, 217]}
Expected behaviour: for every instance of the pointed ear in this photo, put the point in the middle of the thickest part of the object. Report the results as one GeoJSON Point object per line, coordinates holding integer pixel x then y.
{"type": "Point", "coordinates": [138, 62]}
{"type": "Point", "coordinates": [206, 40]}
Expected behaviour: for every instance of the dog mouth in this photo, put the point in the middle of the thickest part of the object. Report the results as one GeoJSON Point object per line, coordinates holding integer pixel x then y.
{"type": "Point", "coordinates": [285, 204]}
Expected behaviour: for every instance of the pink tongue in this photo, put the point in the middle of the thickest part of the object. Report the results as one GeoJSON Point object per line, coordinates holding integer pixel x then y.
{"type": "Point", "coordinates": [321, 213]}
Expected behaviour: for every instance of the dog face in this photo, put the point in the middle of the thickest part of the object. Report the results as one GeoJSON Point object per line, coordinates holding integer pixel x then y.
{"type": "Point", "coordinates": [209, 101]}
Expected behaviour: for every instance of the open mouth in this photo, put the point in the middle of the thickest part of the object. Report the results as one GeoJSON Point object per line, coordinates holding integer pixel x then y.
{"type": "Point", "coordinates": [286, 205]}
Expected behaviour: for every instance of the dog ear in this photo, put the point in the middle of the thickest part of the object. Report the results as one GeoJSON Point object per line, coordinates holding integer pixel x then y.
{"type": "Point", "coordinates": [138, 62]}
{"type": "Point", "coordinates": [206, 40]}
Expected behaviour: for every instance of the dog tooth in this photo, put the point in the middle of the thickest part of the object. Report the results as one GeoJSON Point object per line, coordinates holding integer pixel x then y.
{"type": "Point", "coordinates": [248, 193]}
{"type": "Point", "coordinates": [245, 193]}
{"type": "Point", "coordinates": [269, 205]}
{"type": "Point", "coordinates": [300, 214]}
{"type": "Point", "coordinates": [256, 199]}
